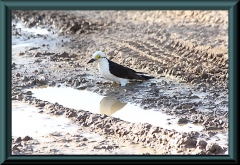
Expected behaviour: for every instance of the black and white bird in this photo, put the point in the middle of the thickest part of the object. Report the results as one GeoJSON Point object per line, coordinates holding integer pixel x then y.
{"type": "Point", "coordinates": [116, 72]}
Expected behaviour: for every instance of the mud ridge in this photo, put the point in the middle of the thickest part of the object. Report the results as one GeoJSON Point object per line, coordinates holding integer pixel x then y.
{"type": "Point", "coordinates": [163, 140]}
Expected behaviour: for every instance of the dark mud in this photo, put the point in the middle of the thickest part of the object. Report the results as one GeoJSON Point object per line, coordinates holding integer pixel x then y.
{"type": "Point", "coordinates": [189, 60]}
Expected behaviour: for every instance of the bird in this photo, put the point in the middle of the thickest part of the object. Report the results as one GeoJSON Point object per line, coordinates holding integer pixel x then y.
{"type": "Point", "coordinates": [116, 72]}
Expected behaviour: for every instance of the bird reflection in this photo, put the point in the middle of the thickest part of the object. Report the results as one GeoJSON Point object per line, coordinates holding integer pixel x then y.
{"type": "Point", "coordinates": [109, 106]}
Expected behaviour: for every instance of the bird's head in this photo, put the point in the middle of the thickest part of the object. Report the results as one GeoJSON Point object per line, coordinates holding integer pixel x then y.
{"type": "Point", "coordinates": [98, 55]}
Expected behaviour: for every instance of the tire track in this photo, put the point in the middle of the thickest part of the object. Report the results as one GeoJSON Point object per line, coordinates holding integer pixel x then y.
{"type": "Point", "coordinates": [178, 58]}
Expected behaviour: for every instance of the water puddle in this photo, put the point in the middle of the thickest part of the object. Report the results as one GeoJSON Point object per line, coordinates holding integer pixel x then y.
{"type": "Point", "coordinates": [24, 37]}
{"type": "Point", "coordinates": [34, 30]}
{"type": "Point", "coordinates": [69, 97]}
{"type": "Point", "coordinates": [95, 103]}
{"type": "Point", "coordinates": [26, 120]}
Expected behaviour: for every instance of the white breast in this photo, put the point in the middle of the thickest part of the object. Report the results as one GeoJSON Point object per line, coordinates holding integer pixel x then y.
{"type": "Point", "coordinates": [103, 67]}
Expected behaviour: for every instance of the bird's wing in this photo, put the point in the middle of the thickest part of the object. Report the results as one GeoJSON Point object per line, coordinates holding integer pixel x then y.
{"type": "Point", "coordinates": [138, 73]}
{"type": "Point", "coordinates": [122, 71]}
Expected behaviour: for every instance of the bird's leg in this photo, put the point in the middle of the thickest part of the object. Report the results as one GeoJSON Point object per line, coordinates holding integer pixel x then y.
{"type": "Point", "coordinates": [123, 84]}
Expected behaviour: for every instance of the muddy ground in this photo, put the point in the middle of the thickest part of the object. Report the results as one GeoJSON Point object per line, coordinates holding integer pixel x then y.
{"type": "Point", "coordinates": [186, 49]}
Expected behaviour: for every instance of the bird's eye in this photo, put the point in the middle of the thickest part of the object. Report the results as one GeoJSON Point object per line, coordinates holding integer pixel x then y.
{"type": "Point", "coordinates": [98, 56]}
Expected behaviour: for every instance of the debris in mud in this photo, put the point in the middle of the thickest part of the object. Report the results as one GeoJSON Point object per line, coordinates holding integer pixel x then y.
{"type": "Point", "coordinates": [26, 138]}
{"type": "Point", "coordinates": [15, 148]}
{"type": "Point", "coordinates": [37, 54]}
{"type": "Point", "coordinates": [213, 148]}
{"type": "Point", "coordinates": [24, 78]}
{"type": "Point", "coordinates": [183, 121]}
{"type": "Point", "coordinates": [18, 75]}
{"type": "Point", "coordinates": [84, 139]}
{"type": "Point", "coordinates": [201, 144]}
{"type": "Point", "coordinates": [41, 80]}
{"type": "Point", "coordinates": [33, 48]}
{"type": "Point", "coordinates": [18, 140]}
{"type": "Point", "coordinates": [20, 53]}
{"type": "Point", "coordinates": [81, 87]}
{"type": "Point", "coordinates": [71, 113]}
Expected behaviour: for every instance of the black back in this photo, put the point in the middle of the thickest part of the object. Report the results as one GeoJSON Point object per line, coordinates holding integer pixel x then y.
{"type": "Point", "coordinates": [124, 72]}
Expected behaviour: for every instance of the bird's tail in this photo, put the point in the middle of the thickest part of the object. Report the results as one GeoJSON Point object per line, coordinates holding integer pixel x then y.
{"type": "Point", "coordinates": [143, 77]}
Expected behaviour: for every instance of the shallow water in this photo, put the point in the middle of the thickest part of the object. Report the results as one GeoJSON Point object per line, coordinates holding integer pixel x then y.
{"type": "Point", "coordinates": [35, 30]}
{"type": "Point", "coordinates": [26, 120]}
{"type": "Point", "coordinates": [95, 103]}
{"type": "Point", "coordinates": [33, 37]}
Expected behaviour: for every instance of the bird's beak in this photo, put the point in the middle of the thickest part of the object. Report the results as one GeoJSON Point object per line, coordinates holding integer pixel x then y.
{"type": "Point", "coordinates": [92, 60]}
